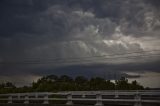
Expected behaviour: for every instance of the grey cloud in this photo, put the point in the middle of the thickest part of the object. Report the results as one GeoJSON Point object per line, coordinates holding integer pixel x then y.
{"type": "Point", "coordinates": [27, 16]}
{"type": "Point", "coordinates": [155, 3]}
{"type": "Point", "coordinates": [56, 20]}
{"type": "Point", "coordinates": [41, 29]}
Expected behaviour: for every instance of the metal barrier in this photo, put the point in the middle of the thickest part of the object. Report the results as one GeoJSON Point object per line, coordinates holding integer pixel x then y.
{"type": "Point", "coordinates": [135, 98]}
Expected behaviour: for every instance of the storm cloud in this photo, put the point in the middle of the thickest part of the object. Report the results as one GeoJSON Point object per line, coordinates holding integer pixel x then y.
{"type": "Point", "coordinates": [39, 37]}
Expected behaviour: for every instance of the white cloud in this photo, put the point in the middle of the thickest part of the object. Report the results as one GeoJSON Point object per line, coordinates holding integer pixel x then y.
{"type": "Point", "coordinates": [84, 14]}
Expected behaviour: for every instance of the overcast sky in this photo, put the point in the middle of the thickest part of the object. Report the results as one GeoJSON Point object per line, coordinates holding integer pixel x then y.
{"type": "Point", "coordinates": [79, 37]}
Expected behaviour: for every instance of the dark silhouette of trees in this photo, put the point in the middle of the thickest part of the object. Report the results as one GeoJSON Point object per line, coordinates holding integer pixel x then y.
{"type": "Point", "coordinates": [122, 84]}
{"type": "Point", "coordinates": [134, 85]}
{"type": "Point", "coordinates": [53, 83]}
{"type": "Point", "coordinates": [97, 83]}
{"type": "Point", "coordinates": [66, 83]}
{"type": "Point", "coordinates": [81, 83]}
{"type": "Point", "coordinates": [7, 87]}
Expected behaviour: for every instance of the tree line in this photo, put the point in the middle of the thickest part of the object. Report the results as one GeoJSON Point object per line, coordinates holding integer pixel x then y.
{"type": "Point", "coordinates": [53, 83]}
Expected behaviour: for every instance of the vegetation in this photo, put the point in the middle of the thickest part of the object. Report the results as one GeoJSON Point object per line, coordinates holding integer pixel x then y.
{"type": "Point", "coordinates": [53, 83]}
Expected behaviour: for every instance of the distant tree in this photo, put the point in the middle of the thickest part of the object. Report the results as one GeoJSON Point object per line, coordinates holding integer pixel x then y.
{"type": "Point", "coordinates": [7, 87]}
{"type": "Point", "coordinates": [81, 83]}
{"type": "Point", "coordinates": [2, 85]}
{"type": "Point", "coordinates": [65, 78]}
{"type": "Point", "coordinates": [97, 83]}
{"type": "Point", "coordinates": [122, 84]}
{"type": "Point", "coordinates": [110, 85]}
{"type": "Point", "coordinates": [52, 83]}
{"type": "Point", "coordinates": [135, 86]}
{"type": "Point", "coordinates": [81, 80]}
{"type": "Point", "coordinates": [52, 77]}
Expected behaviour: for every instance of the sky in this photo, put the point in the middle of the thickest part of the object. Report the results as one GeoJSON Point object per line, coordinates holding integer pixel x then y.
{"type": "Point", "coordinates": [106, 38]}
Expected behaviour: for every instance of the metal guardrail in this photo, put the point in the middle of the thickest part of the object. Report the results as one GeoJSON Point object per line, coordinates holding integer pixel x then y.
{"type": "Point", "coordinates": [136, 98]}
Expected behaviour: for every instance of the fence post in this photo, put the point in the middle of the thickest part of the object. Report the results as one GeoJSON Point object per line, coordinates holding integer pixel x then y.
{"type": "Point", "coordinates": [26, 99]}
{"type": "Point", "coordinates": [36, 95]}
{"type": "Point", "coordinates": [83, 95]}
{"type": "Point", "coordinates": [116, 94]}
{"type": "Point", "coordinates": [46, 99]}
{"type": "Point", "coordinates": [99, 100]}
{"type": "Point", "coordinates": [18, 96]}
{"type": "Point", "coordinates": [69, 99]}
{"type": "Point", "coordinates": [10, 99]}
{"type": "Point", "coordinates": [137, 99]}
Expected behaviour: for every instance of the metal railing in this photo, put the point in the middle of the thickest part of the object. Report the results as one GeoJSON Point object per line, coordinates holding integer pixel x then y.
{"type": "Point", "coordinates": [99, 98]}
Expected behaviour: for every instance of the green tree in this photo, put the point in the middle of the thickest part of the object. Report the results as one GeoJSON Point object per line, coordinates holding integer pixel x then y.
{"type": "Point", "coordinates": [110, 85]}
{"type": "Point", "coordinates": [65, 78]}
{"type": "Point", "coordinates": [135, 86]}
{"type": "Point", "coordinates": [81, 83]}
{"type": "Point", "coordinates": [97, 83]}
{"type": "Point", "coordinates": [122, 84]}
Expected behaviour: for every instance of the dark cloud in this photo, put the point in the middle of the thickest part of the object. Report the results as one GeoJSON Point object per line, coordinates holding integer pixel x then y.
{"type": "Point", "coordinates": [43, 29]}
{"type": "Point", "coordinates": [24, 16]}
{"type": "Point", "coordinates": [155, 3]}
{"type": "Point", "coordinates": [100, 69]}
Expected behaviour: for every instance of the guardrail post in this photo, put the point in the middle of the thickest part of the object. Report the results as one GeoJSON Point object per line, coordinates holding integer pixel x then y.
{"type": "Point", "coordinates": [137, 100]}
{"type": "Point", "coordinates": [10, 99]}
{"type": "Point", "coordinates": [36, 95]}
{"type": "Point", "coordinates": [46, 99]}
{"type": "Point", "coordinates": [99, 100]}
{"type": "Point", "coordinates": [69, 99]}
{"type": "Point", "coordinates": [18, 96]}
{"type": "Point", "coordinates": [116, 94]}
{"type": "Point", "coordinates": [83, 96]}
{"type": "Point", "coordinates": [26, 99]}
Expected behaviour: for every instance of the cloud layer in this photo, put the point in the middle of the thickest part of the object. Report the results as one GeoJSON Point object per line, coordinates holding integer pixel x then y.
{"type": "Point", "coordinates": [41, 31]}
